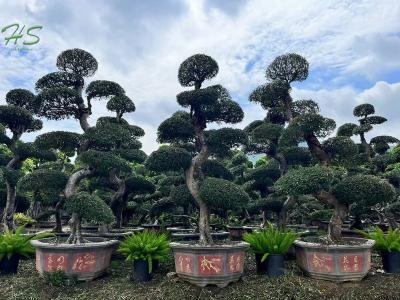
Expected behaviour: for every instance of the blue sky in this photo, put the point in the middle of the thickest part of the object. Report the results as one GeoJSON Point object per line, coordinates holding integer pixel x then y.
{"type": "Point", "coordinates": [352, 46]}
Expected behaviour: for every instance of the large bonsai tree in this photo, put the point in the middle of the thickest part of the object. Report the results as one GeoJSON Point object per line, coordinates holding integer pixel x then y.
{"type": "Point", "coordinates": [337, 190]}
{"type": "Point", "coordinates": [18, 117]}
{"type": "Point", "coordinates": [191, 145]}
{"type": "Point", "coordinates": [270, 136]}
{"type": "Point", "coordinates": [103, 149]}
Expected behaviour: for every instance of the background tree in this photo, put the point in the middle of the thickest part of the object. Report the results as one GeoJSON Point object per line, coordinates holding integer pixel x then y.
{"type": "Point", "coordinates": [192, 146]}
{"type": "Point", "coordinates": [18, 117]}
{"type": "Point", "coordinates": [102, 150]}
{"type": "Point", "coordinates": [270, 136]}
{"type": "Point", "coordinates": [337, 190]}
{"type": "Point", "coordinates": [379, 144]}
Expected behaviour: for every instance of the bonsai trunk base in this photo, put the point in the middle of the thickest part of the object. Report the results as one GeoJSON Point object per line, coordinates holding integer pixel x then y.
{"type": "Point", "coordinates": [214, 264]}
{"type": "Point", "coordinates": [85, 261]}
{"type": "Point", "coordinates": [338, 263]}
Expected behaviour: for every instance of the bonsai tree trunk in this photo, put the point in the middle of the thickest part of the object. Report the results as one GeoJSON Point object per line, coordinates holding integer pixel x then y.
{"type": "Point", "coordinates": [193, 186]}
{"type": "Point", "coordinates": [338, 216]}
{"type": "Point", "coordinates": [70, 189]}
{"type": "Point", "coordinates": [8, 216]}
{"type": "Point", "coordinates": [117, 200]}
{"type": "Point", "coordinates": [367, 148]}
{"type": "Point", "coordinates": [315, 147]}
{"type": "Point", "coordinates": [58, 227]}
{"type": "Point", "coordinates": [283, 214]}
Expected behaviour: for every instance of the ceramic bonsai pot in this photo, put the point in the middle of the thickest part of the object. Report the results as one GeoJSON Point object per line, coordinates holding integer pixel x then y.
{"type": "Point", "coordinates": [391, 261]}
{"type": "Point", "coordinates": [193, 236]}
{"type": "Point", "coordinates": [235, 232]}
{"type": "Point", "coordinates": [115, 234]}
{"type": "Point", "coordinates": [347, 262]}
{"type": "Point", "coordinates": [211, 264]}
{"type": "Point", "coordinates": [152, 227]}
{"type": "Point", "coordinates": [85, 261]}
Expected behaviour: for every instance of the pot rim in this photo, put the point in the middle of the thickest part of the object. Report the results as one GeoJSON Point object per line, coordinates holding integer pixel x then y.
{"type": "Point", "coordinates": [366, 245]}
{"type": "Point", "coordinates": [191, 246]}
{"type": "Point", "coordinates": [103, 243]}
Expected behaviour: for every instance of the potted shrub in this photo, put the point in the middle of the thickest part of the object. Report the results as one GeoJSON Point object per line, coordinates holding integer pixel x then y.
{"type": "Point", "coordinates": [269, 246]}
{"type": "Point", "coordinates": [235, 228]}
{"type": "Point", "coordinates": [335, 257]}
{"type": "Point", "coordinates": [145, 249]}
{"type": "Point", "coordinates": [103, 152]}
{"type": "Point", "coordinates": [388, 245]}
{"type": "Point", "coordinates": [13, 246]}
{"type": "Point", "coordinates": [190, 146]}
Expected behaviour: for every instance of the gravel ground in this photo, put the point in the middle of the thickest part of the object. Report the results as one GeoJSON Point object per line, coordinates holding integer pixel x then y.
{"type": "Point", "coordinates": [118, 285]}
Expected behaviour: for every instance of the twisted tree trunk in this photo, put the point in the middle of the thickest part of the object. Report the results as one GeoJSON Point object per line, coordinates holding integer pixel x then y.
{"type": "Point", "coordinates": [366, 146]}
{"type": "Point", "coordinates": [117, 201]}
{"type": "Point", "coordinates": [8, 214]}
{"type": "Point", "coordinates": [193, 186]}
{"type": "Point", "coordinates": [315, 147]}
{"type": "Point", "coordinates": [338, 216]}
{"type": "Point", "coordinates": [283, 214]}
{"type": "Point", "coordinates": [69, 191]}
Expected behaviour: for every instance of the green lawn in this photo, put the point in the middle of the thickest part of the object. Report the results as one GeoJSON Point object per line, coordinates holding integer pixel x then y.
{"type": "Point", "coordinates": [117, 285]}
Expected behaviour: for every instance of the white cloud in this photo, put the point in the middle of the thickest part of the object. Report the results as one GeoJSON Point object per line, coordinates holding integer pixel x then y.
{"type": "Point", "coordinates": [140, 45]}
{"type": "Point", "coordinates": [339, 103]}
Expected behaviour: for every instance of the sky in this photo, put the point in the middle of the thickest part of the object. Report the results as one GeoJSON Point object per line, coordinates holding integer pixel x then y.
{"type": "Point", "coordinates": [353, 48]}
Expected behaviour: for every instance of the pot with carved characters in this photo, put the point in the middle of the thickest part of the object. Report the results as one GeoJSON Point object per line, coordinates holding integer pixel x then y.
{"type": "Point", "coordinates": [85, 261]}
{"type": "Point", "coordinates": [209, 264]}
{"type": "Point", "coordinates": [348, 262]}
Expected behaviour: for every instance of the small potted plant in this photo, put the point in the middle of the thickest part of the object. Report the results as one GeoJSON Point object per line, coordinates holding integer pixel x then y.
{"type": "Point", "coordinates": [269, 246]}
{"type": "Point", "coordinates": [13, 246]}
{"type": "Point", "coordinates": [388, 245]}
{"type": "Point", "coordinates": [235, 228]}
{"type": "Point", "coordinates": [144, 249]}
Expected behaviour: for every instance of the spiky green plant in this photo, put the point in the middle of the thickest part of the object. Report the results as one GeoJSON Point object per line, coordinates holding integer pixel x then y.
{"type": "Point", "coordinates": [18, 243]}
{"type": "Point", "coordinates": [389, 241]}
{"type": "Point", "coordinates": [270, 241]}
{"type": "Point", "coordinates": [146, 245]}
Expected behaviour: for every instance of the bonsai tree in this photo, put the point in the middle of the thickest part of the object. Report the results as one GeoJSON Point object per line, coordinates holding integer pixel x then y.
{"type": "Point", "coordinates": [103, 149]}
{"type": "Point", "coordinates": [46, 186]}
{"type": "Point", "coordinates": [129, 188]}
{"type": "Point", "coordinates": [17, 116]}
{"type": "Point", "coordinates": [270, 136]}
{"type": "Point", "coordinates": [336, 190]}
{"type": "Point", "coordinates": [380, 144]}
{"type": "Point", "coordinates": [191, 145]}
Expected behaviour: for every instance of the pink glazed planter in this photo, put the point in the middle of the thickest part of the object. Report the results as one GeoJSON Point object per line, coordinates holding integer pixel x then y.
{"type": "Point", "coordinates": [85, 261]}
{"type": "Point", "coordinates": [335, 262]}
{"type": "Point", "coordinates": [211, 264]}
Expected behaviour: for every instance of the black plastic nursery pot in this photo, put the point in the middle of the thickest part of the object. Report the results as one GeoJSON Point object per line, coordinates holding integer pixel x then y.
{"type": "Point", "coordinates": [275, 265]}
{"type": "Point", "coordinates": [9, 266]}
{"type": "Point", "coordinates": [261, 266]}
{"type": "Point", "coordinates": [391, 261]}
{"type": "Point", "coordinates": [141, 271]}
